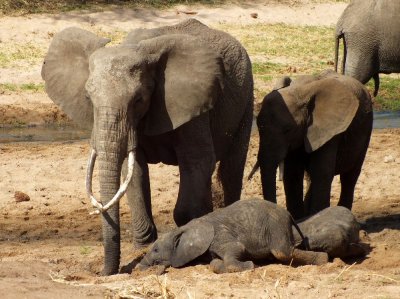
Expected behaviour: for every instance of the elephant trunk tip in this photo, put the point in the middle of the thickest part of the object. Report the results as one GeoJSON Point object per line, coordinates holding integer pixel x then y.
{"type": "Point", "coordinates": [253, 171]}
{"type": "Point", "coordinates": [141, 266]}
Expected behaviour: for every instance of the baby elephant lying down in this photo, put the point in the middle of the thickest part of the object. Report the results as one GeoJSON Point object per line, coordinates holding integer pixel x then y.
{"type": "Point", "coordinates": [233, 236]}
{"type": "Point", "coordinates": [333, 230]}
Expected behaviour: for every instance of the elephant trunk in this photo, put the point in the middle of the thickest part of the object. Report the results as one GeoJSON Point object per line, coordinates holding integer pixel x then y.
{"type": "Point", "coordinates": [268, 182]}
{"type": "Point", "coordinates": [110, 140]}
{"type": "Point", "coordinates": [109, 174]}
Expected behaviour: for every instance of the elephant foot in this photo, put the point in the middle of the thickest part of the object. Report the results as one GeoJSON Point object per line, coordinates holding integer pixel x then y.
{"type": "Point", "coordinates": [108, 272]}
{"type": "Point", "coordinates": [218, 266]}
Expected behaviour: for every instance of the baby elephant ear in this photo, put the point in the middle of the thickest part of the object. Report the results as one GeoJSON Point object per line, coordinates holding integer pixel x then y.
{"type": "Point", "coordinates": [334, 108]}
{"type": "Point", "coordinates": [65, 71]}
{"type": "Point", "coordinates": [194, 240]}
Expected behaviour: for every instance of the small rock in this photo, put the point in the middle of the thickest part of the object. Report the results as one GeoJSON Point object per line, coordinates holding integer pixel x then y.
{"type": "Point", "coordinates": [388, 159]}
{"type": "Point", "coordinates": [254, 15]}
{"type": "Point", "coordinates": [21, 196]}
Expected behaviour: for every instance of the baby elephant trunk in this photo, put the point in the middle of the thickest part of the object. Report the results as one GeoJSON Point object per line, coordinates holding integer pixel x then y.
{"type": "Point", "coordinates": [144, 265]}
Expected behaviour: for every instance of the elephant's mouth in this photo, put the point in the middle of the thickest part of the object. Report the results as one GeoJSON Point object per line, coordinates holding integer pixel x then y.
{"type": "Point", "coordinates": [100, 208]}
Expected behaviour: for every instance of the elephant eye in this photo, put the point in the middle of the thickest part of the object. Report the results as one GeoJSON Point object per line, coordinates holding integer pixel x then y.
{"type": "Point", "coordinates": [137, 99]}
{"type": "Point", "coordinates": [155, 250]}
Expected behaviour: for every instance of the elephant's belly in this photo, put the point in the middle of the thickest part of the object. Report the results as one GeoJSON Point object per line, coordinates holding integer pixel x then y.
{"type": "Point", "coordinates": [158, 149]}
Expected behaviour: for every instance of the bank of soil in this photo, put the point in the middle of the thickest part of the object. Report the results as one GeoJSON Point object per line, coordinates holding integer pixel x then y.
{"type": "Point", "coordinates": [51, 247]}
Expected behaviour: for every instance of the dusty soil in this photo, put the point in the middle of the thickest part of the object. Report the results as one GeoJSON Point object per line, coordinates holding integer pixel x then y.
{"type": "Point", "coordinates": [50, 246]}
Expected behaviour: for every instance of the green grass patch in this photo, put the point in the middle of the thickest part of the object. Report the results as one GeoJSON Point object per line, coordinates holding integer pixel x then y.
{"type": "Point", "coordinates": [116, 36]}
{"type": "Point", "coordinates": [85, 250]}
{"type": "Point", "coordinates": [304, 48]}
{"type": "Point", "coordinates": [268, 69]}
{"type": "Point", "coordinates": [388, 97]}
{"type": "Point", "coordinates": [28, 87]}
{"type": "Point", "coordinates": [11, 53]}
{"type": "Point", "coordinates": [277, 50]}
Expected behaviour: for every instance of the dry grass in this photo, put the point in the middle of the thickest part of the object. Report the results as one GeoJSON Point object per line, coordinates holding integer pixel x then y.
{"type": "Point", "coordinates": [13, 54]}
{"type": "Point", "coordinates": [156, 287]}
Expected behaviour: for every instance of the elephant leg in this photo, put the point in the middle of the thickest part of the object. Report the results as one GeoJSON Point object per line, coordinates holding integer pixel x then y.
{"type": "Point", "coordinates": [303, 257]}
{"type": "Point", "coordinates": [361, 61]}
{"type": "Point", "coordinates": [138, 194]}
{"type": "Point", "coordinates": [231, 253]}
{"type": "Point", "coordinates": [293, 175]}
{"type": "Point", "coordinates": [348, 182]}
{"type": "Point", "coordinates": [321, 169]}
{"type": "Point", "coordinates": [196, 159]}
{"type": "Point", "coordinates": [231, 167]}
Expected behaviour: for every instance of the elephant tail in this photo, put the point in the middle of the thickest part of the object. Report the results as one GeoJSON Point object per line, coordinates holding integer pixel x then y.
{"type": "Point", "coordinates": [377, 82]}
{"type": "Point", "coordinates": [253, 171]}
{"type": "Point", "coordinates": [338, 37]}
{"type": "Point", "coordinates": [304, 240]}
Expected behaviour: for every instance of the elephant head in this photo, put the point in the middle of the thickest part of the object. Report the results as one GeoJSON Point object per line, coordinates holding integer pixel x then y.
{"type": "Point", "coordinates": [180, 246]}
{"type": "Point", "coordinates": [304, 115]}
{"type": "Point", "coordinates": [153, 85]}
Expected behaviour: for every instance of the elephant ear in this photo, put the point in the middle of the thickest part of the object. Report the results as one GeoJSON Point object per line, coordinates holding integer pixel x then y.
{"type": "Point", "coordinates": [333, 107]}
{"type": "Point", "coordinates": [65, 71]}
{"type": "Point", "coordinates": [194, 239]}
{"type": "Point", "coordinates": [189, 79]}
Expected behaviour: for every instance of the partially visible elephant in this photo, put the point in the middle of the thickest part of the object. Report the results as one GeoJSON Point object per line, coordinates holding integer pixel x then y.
{"type": "Point", "coordinates": [371, 36]}
{"type": "Point", "coordinates": [319, 124]}
{"type": "Point", "coordinates": [181, 95]}
{"type": "Point", "coordinates": [333, 230]}
{"type": "Point", "coordinates": [232, 237]}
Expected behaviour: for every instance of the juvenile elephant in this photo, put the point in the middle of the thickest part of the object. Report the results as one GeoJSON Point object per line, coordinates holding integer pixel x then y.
{"type": "Point", "coordinates": [333, 230]}
{"type": "Point", "coordinates": [319, 124]}
{"type": "Point", "coordinates": [232, 237]}
{"type": "Point", "coordinates": [181, 95]}
{"type": "Point", "coordinates": [371, 36]}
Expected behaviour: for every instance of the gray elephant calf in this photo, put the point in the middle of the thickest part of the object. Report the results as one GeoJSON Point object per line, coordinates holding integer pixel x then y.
{"type": "Point", "coordinates": [321, 125]}
{"type": "Point", "coordinates": [244, 231]}
{"type": "Point", "coordinates": [334, 230]}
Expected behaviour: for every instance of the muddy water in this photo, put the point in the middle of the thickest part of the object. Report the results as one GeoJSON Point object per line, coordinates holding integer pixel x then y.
{"type": "Point", "coordinates": [43, 133]}
{"type": "Point", "coordinates": [67, 133]}
{"type": "Point", "coordinates": [382, 120]}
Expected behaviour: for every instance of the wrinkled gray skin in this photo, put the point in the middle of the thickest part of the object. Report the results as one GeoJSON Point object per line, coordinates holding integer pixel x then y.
{"type": "Point", "coordinates": [233, 236]}
{"type": "Point", "coordinates": [371, 36]}
{"type": "Point", "coordinates": [181, 95]}
{"type": "Point", "coordinates": [334, 230]}
{"type": "Point", "coordinates": [318, 124]}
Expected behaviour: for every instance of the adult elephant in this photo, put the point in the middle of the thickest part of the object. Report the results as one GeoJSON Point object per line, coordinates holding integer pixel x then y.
{"type": "Point", "coordinates": [181, 95]}
{"type": "Point", "coordinates": [371, 36]}
{"type": "Point", "coordinates": [319, 124]}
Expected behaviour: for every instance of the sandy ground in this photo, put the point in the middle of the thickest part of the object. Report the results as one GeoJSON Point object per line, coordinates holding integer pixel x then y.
{"type": "Point", "coordinates": [51, 247]}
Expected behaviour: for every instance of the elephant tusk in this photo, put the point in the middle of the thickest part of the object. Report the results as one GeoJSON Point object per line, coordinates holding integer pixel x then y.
{"type": "Point", "coordinates": [122, 189]}
{"type": "Point", "coordinates": [89, 177]}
